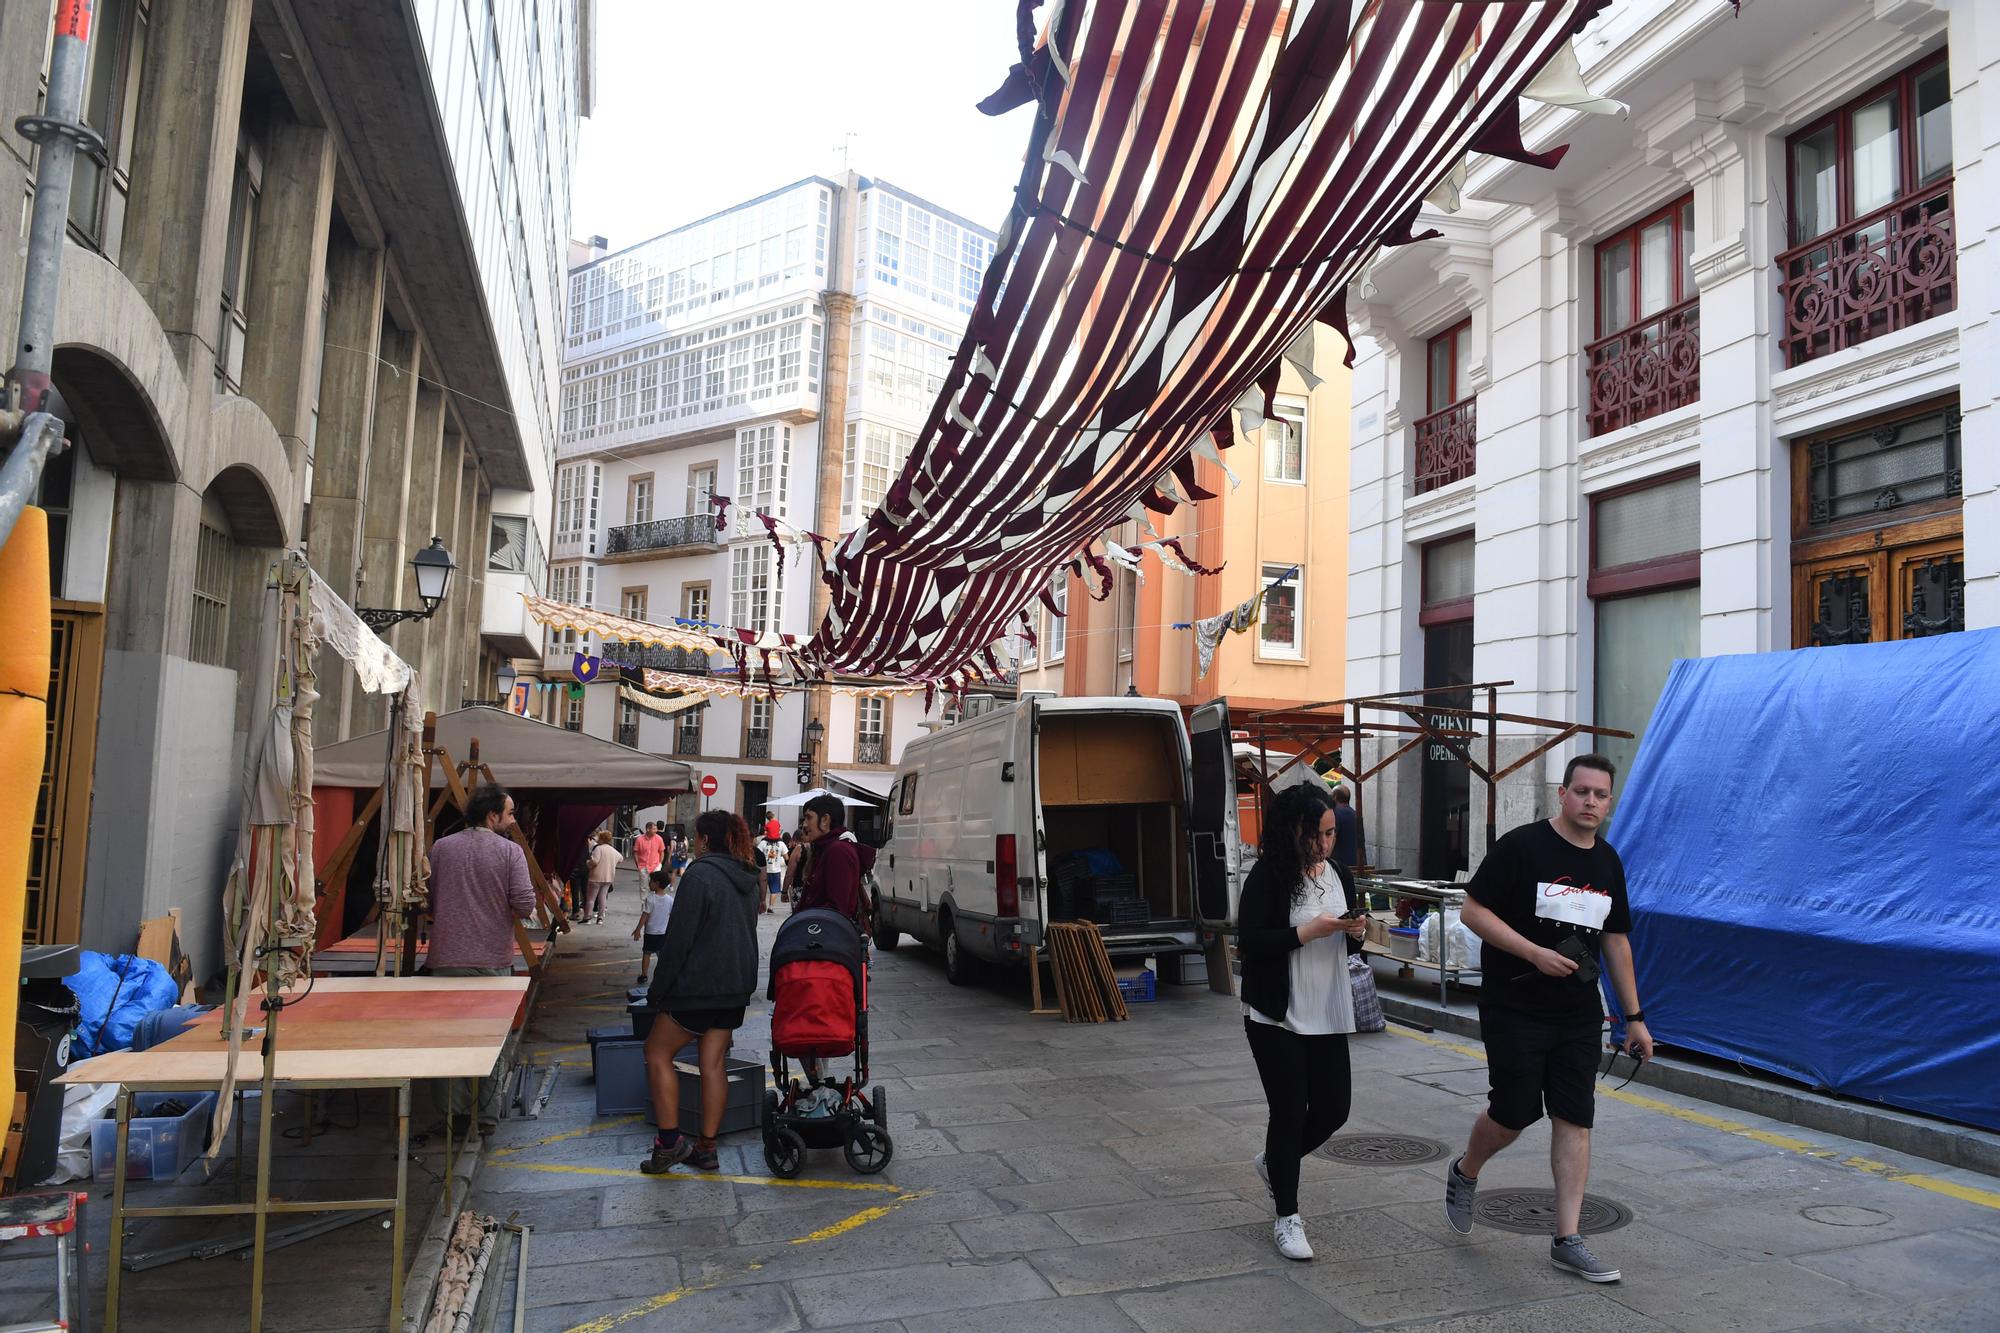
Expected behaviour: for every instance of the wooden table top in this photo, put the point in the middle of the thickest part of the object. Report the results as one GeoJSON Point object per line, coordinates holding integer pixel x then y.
{"type": "Point", "coordinates": [345, 1027]}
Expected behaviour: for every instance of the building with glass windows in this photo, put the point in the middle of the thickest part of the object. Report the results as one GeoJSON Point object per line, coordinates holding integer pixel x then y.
{"type": "Point", "coordinates": [782, 353]}
{"type": "Point", "coordinates": [1712, 385]}
{"type": "Point", "coordinates": [312, 298]}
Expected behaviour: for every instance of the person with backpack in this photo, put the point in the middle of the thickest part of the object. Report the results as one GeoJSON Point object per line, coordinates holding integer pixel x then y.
{"type": "Point", "coordinates": [840, 863]}
{"type": "Point", "coordinates": [705, 973]}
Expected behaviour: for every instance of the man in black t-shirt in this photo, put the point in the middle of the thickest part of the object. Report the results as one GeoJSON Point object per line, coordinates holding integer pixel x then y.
{"type": "Point", "coordinates": [1548, 895]}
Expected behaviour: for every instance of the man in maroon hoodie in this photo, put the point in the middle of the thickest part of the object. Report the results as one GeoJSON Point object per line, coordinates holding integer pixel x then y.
{"type": "Point", "coordinates": [839, 860]}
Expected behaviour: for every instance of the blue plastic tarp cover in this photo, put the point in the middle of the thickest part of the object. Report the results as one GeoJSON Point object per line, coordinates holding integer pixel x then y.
{"type": "Point", "coordinates": [1812, 846]}
{"type": "Point", "coordinates": [114, 993]}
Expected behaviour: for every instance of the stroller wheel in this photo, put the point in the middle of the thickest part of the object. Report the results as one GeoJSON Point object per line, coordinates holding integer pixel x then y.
{"type": "Point", "coordinates": [784, 1152]}
{"type": "Point", "coordinates": [881, 1107]}
{"type": "Point", "coordinates": [869, 1150]}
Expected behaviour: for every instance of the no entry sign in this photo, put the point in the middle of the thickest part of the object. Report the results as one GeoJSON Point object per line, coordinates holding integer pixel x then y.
{"type": "Point", "coordinates": [709, 786]}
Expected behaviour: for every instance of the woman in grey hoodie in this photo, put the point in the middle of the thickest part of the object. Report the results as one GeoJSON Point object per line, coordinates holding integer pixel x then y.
{"type": "Point", "coordinates": [706, 973]}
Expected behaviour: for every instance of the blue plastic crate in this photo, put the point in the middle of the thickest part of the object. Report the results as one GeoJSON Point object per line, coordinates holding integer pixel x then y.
{"type": "Point", "coordinates": [157, 1147]}
{"type": "Point", "coordinates": [1139, 989]}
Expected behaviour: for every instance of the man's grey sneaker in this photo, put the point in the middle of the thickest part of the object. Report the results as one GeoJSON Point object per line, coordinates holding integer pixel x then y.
{"type": "Point", "coordinates": [1264, 1174]}
{"type": "Point", "coordinates": [1290, 1233]}
{"type": "Point", "coordinates": [1459, 1190]}
{"type": "Point", "coordinates": [1570, 1252]}
{"type": "Point", "coordinates": [666, 1156]}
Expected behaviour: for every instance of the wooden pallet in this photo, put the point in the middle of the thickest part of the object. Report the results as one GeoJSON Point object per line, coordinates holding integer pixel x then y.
{"type": "Point", "coordinates": [1086, 987]}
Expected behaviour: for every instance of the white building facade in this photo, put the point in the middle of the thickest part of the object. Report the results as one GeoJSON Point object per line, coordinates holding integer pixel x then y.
{"type": "Point", "coordinates": [1721, 382]}
{"type": "Point", "coordinates": [783, 354]}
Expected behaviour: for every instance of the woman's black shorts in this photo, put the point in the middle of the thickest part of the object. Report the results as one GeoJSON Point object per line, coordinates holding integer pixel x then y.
{"type": "Point", "coordinates": [1534, 1062]}
{"type": "Point", "coordinates": [694, 1022]}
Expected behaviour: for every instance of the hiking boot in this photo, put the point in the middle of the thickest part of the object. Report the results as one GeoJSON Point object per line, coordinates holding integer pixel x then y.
{"type": "Point", "coordinates": [666, 1156]}
{"type": "Point", "coordinates": [703, 1159]}
{"type": "Point", "coordinates": [1264, 1174]}
{"type": "Point", "coordinates": [1459, 1190]}
{"type": "Point", "coordinates": [1570, 1252]}
{"type": "Point", "coordinates": [1290, 1233]}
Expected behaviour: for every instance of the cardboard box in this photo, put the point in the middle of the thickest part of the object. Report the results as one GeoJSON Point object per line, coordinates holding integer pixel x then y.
{"type": "Point", "coordinates": [1378, 932]}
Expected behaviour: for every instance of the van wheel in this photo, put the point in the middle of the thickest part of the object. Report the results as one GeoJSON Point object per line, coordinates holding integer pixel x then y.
{"type": "Point", "coordinates": [886, 935]}
{"type": "Point", "coordinates": [957, 967]}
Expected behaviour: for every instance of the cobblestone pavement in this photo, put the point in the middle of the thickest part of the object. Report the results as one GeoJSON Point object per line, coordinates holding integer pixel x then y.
{"type": "Point", "coordinates": [1050, 1176]}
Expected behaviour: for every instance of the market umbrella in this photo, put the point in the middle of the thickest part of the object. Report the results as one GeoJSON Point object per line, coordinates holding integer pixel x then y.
{"type": "Point", "coordinates": [805, 796]}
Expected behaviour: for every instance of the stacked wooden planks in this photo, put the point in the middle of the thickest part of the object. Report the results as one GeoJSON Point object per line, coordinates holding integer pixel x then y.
{"type": "Point", "coordinates": [1086, 987]}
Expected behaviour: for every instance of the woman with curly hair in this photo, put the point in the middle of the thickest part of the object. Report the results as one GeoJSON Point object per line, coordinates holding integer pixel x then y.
{"type": "Point", "coordinates": [1294, 934]}
{"type": "Point", "coordinates": [706, 973]}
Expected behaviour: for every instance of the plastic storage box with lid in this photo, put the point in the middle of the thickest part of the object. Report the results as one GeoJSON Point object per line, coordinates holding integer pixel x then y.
{"type": "Point", "coordinates": [159, 1146]}
{"type": "Point", "coordinates": [1403, 942]}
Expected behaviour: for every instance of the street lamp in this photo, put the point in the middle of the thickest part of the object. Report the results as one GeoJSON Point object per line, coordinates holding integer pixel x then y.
{"type": "Point", "coordinates": [433, 567]}
{"type": "Point", "coordinates": [506, 675]}
{"type": "Point", "coordinates": [815, 733]}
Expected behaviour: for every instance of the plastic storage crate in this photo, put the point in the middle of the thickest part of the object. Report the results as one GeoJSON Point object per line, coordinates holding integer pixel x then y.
{"type": "Point", "coordinates": [159, 1147]}
{"type": "Point", "coordinates": [1137, 989]}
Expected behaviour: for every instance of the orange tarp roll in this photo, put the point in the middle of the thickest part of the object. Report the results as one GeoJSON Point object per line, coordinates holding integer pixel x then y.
{"type": "Point", "coordinates": [24, 687]}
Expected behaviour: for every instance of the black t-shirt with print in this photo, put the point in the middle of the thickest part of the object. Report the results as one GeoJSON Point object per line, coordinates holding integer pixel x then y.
{"type": "Point", "coordinates": [1539, 882]}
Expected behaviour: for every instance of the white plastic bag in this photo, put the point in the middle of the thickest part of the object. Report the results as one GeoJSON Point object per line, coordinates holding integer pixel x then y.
{"type": "Point", "coordinates": [83, 1103]}
{"type": "Point", "coordinates": [1463, 943]}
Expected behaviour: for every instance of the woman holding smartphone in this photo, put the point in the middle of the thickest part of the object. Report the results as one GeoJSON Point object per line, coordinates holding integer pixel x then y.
{"type": "Point", "coordinates": [1297, 922]}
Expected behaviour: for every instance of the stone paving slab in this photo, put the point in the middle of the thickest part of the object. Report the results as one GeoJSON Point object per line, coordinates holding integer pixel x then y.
{"type": "Point", "coordinates": [1097, 1178]}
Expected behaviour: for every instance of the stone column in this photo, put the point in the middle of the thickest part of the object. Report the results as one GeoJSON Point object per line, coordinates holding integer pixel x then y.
{"type": "Point", "coordinates": [386, 495]}
{"type": "Point", "coordinates": [839, 308]}
{"type": "Point", "coordinates": [354, 278]}
{"type": "Point", "coordinates": [438, 631]}
{"type": "Point", "coordinates": [465, 544]}
{"type": "Point", "coordinates": [478, 548]}
{"type": "Point", "coordinates": [420, 524]}
{"type": "Point", "coordinates": [288, 279]}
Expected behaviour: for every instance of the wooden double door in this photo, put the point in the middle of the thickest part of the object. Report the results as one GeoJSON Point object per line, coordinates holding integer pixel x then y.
{"type": "Point", "coordinates": [1880, 591]}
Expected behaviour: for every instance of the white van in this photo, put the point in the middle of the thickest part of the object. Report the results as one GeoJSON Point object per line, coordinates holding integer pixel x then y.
{"type": "Point", "coordinates": [988, 818]}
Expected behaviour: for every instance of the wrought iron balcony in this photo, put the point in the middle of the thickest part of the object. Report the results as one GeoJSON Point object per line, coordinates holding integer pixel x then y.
{"type": "Point", "coordinates": [1446, 446]}
{"type": "Point", "coordinates": [628, 735]}
{"type": "Point", "coordinates": [871, 750]}
{"type": "Point", "coordinates": [1645, 369]}
{"type": "Point", "coordinates": [687, 740]}
{"type": "Point", "coordinates": [1884, 271]}
{"type": "Point", "coordinates": [757, 743]}
{"type": "Point", "coordinates": [695, 531]}
{"type": "Point", "coordinates": [634, 657]}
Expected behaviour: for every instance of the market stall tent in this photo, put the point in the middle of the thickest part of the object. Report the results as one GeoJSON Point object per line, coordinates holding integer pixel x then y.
{"type": "Point", "coordinates": [1812, 847]}
{"type": "Point", "coordinates": [564, 784]}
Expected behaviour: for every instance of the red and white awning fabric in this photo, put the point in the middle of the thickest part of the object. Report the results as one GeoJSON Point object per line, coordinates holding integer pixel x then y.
{"type": "Point", "coordinates": [1204, 180]}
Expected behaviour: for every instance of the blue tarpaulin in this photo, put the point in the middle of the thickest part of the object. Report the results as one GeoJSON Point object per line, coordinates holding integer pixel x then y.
{"type": "Point", "coordinates": [1812, 845]}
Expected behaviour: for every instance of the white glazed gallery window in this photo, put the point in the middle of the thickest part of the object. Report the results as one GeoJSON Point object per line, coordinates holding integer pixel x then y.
{"type": "Point", "coordinates": [755, 580]}
{"type": "Point", "coordinates": [1285, 443]}
{"type": "Point", "coordinates": [1280, 635]}
{"type": "Point", "coordinates": [763, 463]}
{"type": "Point", "coordinates": [875, 454]}
{"type": "Point", "coordinates": [1057, 639]}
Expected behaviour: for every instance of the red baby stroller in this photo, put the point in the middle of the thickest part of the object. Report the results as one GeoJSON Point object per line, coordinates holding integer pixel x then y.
{"type": "Point", "coordinates": [819, 1011]}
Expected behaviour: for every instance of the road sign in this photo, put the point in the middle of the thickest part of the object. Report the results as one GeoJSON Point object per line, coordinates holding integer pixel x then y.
{"type": "Point", "coordinates": [709, 786]}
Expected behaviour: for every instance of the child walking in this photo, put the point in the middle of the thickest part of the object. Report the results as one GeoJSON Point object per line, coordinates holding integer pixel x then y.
{"type": "Point", "coordinates": [653, 914]}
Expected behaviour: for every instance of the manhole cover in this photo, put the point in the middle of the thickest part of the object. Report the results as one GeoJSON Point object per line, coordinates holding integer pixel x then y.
{"type": "Point", "coordinates": [1846, 1215]}
{"type": "Point", "coordinates": [1533, 1212]}
{"type": "Point", "coordinates": [1383, 1149]}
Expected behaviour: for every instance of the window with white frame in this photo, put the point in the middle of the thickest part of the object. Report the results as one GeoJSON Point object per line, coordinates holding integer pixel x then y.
{"type": "Point", "coordinates": [701, 485]}
{"type": "Point", "coordinates": [1128, 613]}
{"type": "Point", "coordinates": [871, 722]}
{"type": "Point", "coordinates": [577, 585]}
{"type": "Point", "coordinates": [639, 504]}
{"type": "Point", "coordinates": [573, 719]}
{"type": "Point", "coordinates": [694, 603]}
{"type": "Point", "coordinates": [1285, 443]}
{"type": "Point", "coordinates": [577, 488]}
{"type": "Point", "coordinates": [632, 604]}
{"type": "Point", "coordinates": [1057, 639]}
{"type": "Point", "coordinates": [1280, 635]}
{"type": "Point", "coordinates": [875, 455]}
{"type": "Point", "coordinates": [763, 464]}
{"type": "Point", "coordinates": [755, 579]}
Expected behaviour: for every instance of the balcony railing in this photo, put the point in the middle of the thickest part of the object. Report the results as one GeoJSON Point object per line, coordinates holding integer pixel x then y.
{"type": "Point", "coordinates": [757, 743]}
{"type": "Point", "coordinates": [637, 657]}
{"type": "Point", "coordinates": [687, 740]}
{"type": "Point", "coordinates": [663, 534]}
{"type": "Point", "coordinates": [1651, 367]}
{"type": "Point", "coordinates": [628, 735]}
{"type": "Point", "coordinates": [871, 750]}
{"type": "Point", "coordinates": [1446, 446]}
{"type": "Point", "coordinates": [1884, 271]}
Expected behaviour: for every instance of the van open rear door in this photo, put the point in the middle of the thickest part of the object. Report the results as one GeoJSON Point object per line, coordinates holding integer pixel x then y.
{"type": "Point", "coordinates": [1212, 821]}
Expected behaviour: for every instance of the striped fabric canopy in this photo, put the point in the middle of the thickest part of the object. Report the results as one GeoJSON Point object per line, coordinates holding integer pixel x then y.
{"type": "Point", "coordinates": [1204, 179]}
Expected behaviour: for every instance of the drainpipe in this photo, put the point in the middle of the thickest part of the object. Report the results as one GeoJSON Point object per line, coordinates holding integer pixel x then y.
{"type": "Point", "coordinates": [32, 432]}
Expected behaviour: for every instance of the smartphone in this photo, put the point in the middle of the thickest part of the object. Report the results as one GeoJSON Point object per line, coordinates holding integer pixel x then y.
{"type": "Point", "coordinates": [1355, 914]}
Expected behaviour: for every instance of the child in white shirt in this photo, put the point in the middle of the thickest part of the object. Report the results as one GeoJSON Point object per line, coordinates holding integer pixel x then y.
{"type": "Point", "coordinates": [653, 914]}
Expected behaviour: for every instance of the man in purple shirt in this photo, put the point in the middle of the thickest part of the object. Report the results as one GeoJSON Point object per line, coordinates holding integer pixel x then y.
{"type": "Point", "coordinates": [479, 889]}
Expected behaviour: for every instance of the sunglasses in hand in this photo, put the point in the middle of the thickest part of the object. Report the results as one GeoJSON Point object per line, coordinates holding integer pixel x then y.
{"type": "Point", "coordinates": [1611, 1065]}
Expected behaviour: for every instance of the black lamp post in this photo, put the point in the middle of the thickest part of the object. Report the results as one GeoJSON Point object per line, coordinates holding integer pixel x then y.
{"type": "Point", "coordinates": [815, 733]}
{"type": "Point", "coordinates": [433, 566]}
{"type": "Point", "coordinates": [506, 676]}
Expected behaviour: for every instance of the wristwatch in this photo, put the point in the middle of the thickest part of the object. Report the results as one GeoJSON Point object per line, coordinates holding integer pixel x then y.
{"type": "Point", "coordinates": [1636, 1016]}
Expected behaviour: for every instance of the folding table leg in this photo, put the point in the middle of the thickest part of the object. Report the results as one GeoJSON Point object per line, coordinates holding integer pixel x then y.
{"type": "Point", "coordinates": [111, 1281]}
{"type": "Point", "coordinates": [402, 1204]}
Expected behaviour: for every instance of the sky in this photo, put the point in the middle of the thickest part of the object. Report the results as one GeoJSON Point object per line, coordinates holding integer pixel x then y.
{"type": "Point", "coordinates": [700, 106]}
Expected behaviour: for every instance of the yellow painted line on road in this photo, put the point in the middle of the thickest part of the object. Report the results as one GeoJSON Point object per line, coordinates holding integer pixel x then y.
{"type": "Point", "coordinates": [1769, 1138]}
{"type": "Point", "coordinates": [605, 1323]}
{"type": "Point", "coordinates": [564, 1168]}
{"type": "Point", "coordinates": [596, 1127]}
